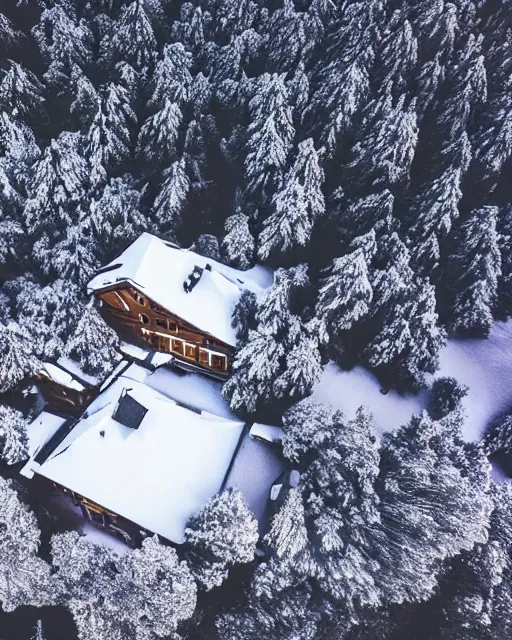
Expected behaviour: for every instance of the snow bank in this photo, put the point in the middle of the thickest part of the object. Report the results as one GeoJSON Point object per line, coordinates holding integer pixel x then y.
{"type": "Point", "coordinates": [484, 365]}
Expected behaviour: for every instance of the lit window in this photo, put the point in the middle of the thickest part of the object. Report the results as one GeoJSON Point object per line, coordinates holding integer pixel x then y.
{"type": "Point", "coordinates": [177, 347]}
{"type": "Point", "coordinates": [204, 356]}
{"type": "Point", "coordinates": [219, 362]}
{"type": "Point", "coordinates": [190, 350]}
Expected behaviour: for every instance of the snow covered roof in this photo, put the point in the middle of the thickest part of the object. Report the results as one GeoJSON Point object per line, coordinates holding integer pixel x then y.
{"type": "Point", "coordinates": [159, 269]}
{"type": "Point", "coordinates": [61, 376]}
{"type": "Point", "coordinates": [267, 432]}
{"type": "Point", "coordinates": [156, 475]}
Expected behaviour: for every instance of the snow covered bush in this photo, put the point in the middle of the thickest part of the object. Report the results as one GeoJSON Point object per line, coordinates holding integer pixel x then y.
{"type": "Point", "coordinates": [445, 396]}
{"type": "Point", "coordinates": [224, 533]}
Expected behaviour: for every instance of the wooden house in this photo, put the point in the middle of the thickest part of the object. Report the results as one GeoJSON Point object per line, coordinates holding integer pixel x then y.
{"type": "Point", "coordinates": [173, 300]}
{"type": "Point", "coordinates": [62, 390]}
{"type": "Point", "coordinates": [136, 461]}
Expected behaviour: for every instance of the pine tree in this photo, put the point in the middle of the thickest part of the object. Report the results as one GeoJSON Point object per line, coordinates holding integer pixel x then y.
{"type": "Point", "coordinates": [13, 435]}
{"type": "Point", "coordinates": [24, 576]}
{"type": "Point", "coordinates": [504, 297]}
{"type": "Point", "coordinates": [49, 314]}
{"type": "Point", "coordinates": [434, 211]}
{"type": "Point", "coordinates": [244, 315]}
{"type": "Point", "coordinates": [289, 38]}
{"type": "Point", "coordinates": [475, 593]}
{"type": "Point", "coordinates": [17, 362]}
{"type": "Point", "coordinates": [296, 207]}
{"type": "Point", "coordinates": [435, 480]}
{"type": "Point", "coordinates": [73, 259]}
{"type": "Point", "coordinates": [407, 347]}
{"type": "Point", "coordinates": [287, 544]}
{"type": "Point", "coordinates": [115, 218]}
{"type": "Point", "coordinates": [172, 79]}
{"type": "Point", "coordinates": [472, 273]}
{"type": "Point", "coordinates": [108, 141]}
{"type": "Point", "coordinates": [365, 214]}
{"type": "Point", "coordinates": [153, 591]}
{"type": "Point", "coordinates": [10, 37]}
{"type": "Point", "coordinates": [64, 41]}
{"type": "Point", "coordinates": [308, 426]}
{"type": "Point", "coordinates": [270, 137]}
{"type": "Point", "coordinates": [93, 344]}
{"type": "Point", "coordinates": [256, 366]}
{"type": "Point", "coordinates": [169, 203]}
{"type": "Point", "coordinates": [57, 185]}
{"type": "Point", "coordinates": [222, 534]}
{"type": "Point", "coordinates": [134, 40]}
{"type": "Point", "coordinates": [21, 93]}
{"type": "Point", "coordinates": [207, 245]}
{"type": "Point", "coordinates": [386, 146]}
{"type": "Point", "coordinates": [158, 136]}
{"type": "Point", "coordinates": [238, 242]}
{"type": "Point", "coordinates": [345, 292]}
{"type": "Point", "coordinates": [341, 83]}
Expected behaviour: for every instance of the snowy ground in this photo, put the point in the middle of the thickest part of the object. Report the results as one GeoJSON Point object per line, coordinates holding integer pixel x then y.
{"type": "Point", "coordinates": [256, 467]}
{"type": "Point", "coordinates": [485, 366]}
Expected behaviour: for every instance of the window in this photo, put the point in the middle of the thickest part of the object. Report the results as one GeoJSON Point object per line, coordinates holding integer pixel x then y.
{"type": "Point", "coordinates": [173, 326]}
{"type": "Point", "coordinates": [219, 362]}
{"type": "Point", "coordinates": [177, 347]}
{"type": "Point", "coordinates": [143, 318]}
{"type": "Point", "coordinates": [204, 356]}
{"type": "Point", "coordinates": [190, 351]}
{"type": "Point", "coordinates": [161, 322]}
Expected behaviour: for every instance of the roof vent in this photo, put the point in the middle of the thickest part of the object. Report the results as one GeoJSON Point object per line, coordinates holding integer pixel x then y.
{"type": "Point", "coordinates": [129, 412]}
{"type": "Point", "coordinates": [193, 279]}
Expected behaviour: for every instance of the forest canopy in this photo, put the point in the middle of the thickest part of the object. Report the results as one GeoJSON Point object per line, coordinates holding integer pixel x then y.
{"type": "Point", "coordinates": [362, 150]}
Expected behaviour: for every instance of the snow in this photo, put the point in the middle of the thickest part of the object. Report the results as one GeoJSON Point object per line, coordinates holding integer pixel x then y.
{"type": "Point", "coordinates": [42, 429]}
{"type": "Point", "coordinates": [157, 475]}
{"type": "Point", "coordinates": [132, 350]}
{"type": "Point", "coordinates": [62, 377]}
{"type": "Point", "coordinates": [255, 469]}
{"type": "Point", "coordinates": [159, 270]}
{"type": "Point", "coordinates": [191, 389]}
{"type": "Point", "coordinates": [484, 365]}
{"type": "Point", "coordinates": [267, 432]}
{"type": "Point", "coordinates": [74, 369]}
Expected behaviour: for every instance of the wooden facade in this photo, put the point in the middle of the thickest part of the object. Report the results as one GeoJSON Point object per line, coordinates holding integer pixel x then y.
{"type": "Point", "coordinates": [132, 314]}
{"type": "Point", "coordinates": [122, 528]}
{"type": "Point", "coordinates": [63, 398]}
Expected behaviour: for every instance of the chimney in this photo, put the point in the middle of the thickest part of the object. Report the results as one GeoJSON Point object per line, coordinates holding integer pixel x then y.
{"type": "Point", "coordinates": [193, 279]}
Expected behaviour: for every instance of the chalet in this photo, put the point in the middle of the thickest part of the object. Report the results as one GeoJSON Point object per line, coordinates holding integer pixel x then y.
{"type": "Point", "coordinates": [136, 461]}
{"type": "Point", "coordinates": [173, 300]}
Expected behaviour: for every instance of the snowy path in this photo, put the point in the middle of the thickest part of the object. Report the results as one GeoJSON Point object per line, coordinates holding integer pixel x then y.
{"type": "Point", "coordinates": [485, 366]}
